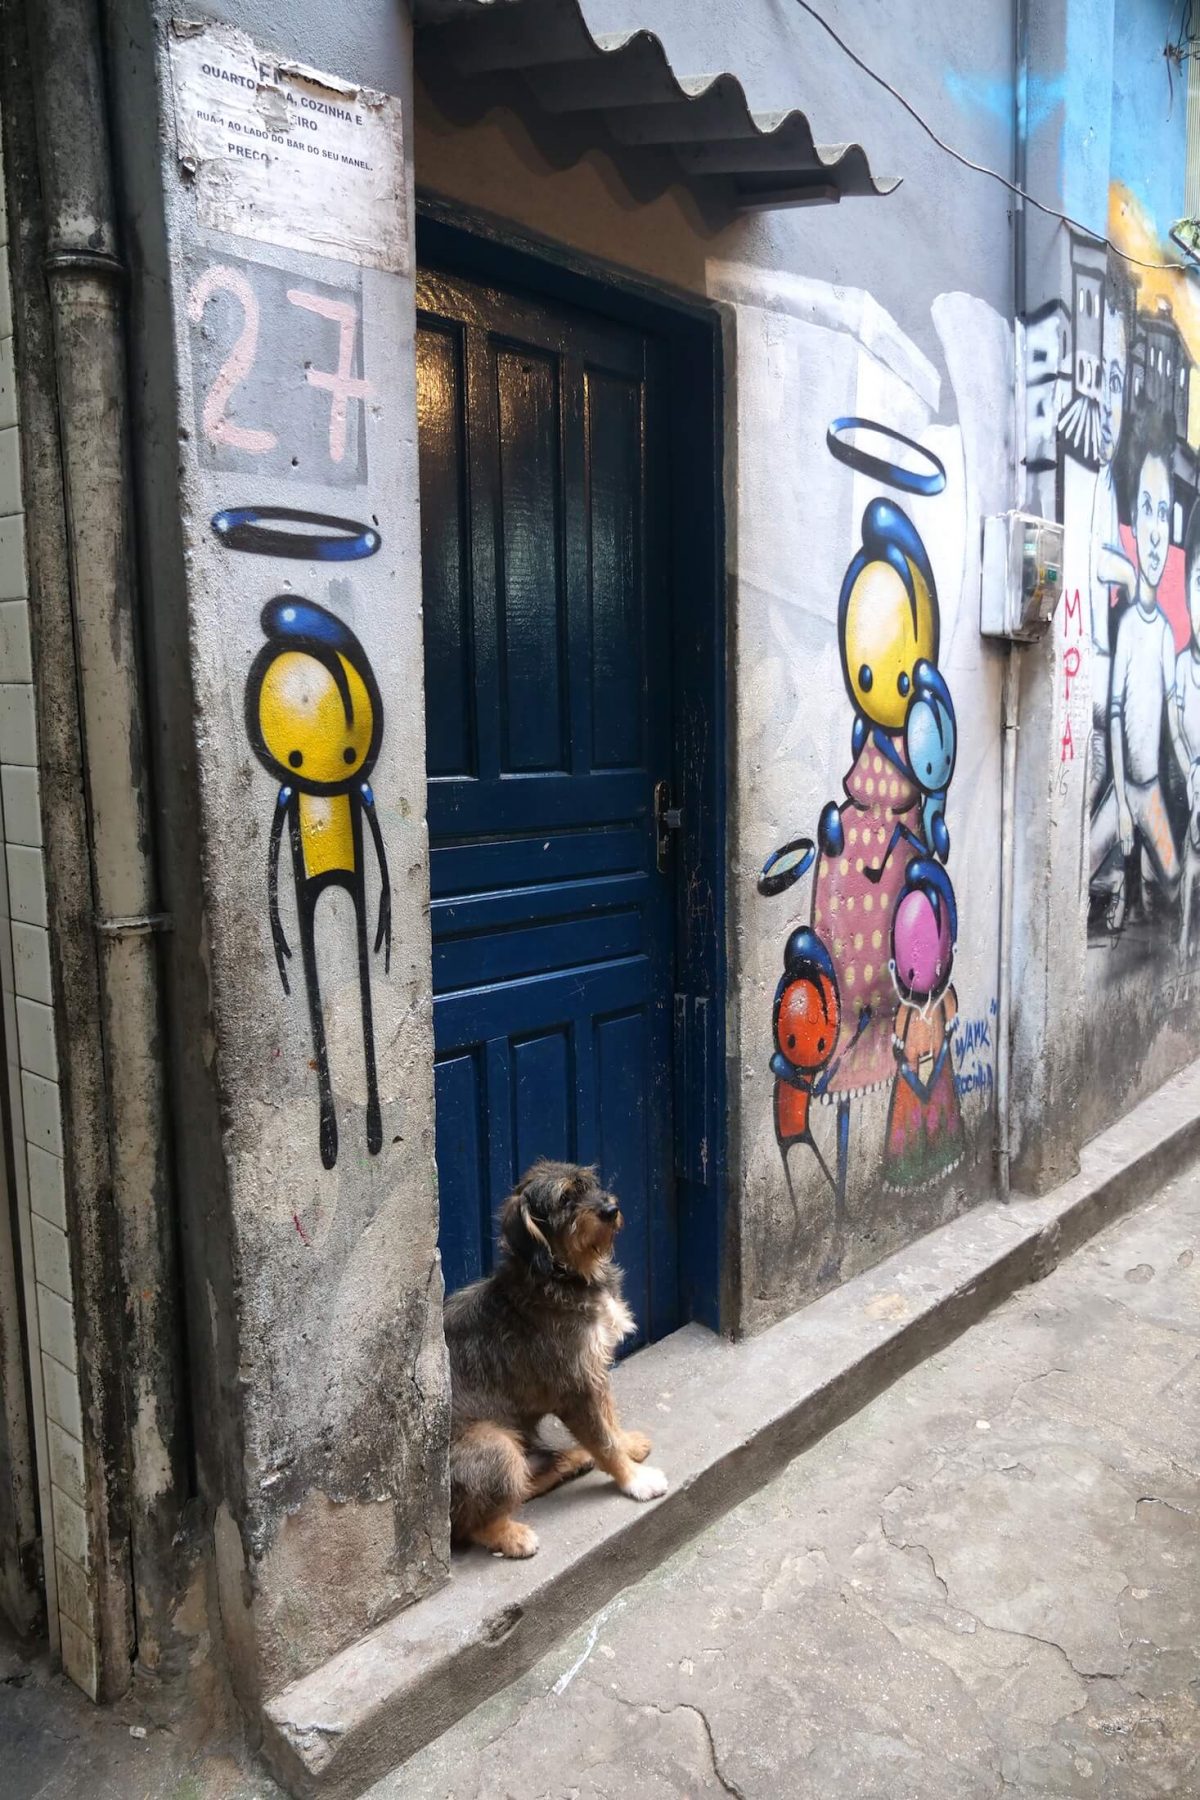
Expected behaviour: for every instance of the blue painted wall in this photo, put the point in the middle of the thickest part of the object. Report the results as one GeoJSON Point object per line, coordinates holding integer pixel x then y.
{"type": "Point", "coordinates": [1149, 110]}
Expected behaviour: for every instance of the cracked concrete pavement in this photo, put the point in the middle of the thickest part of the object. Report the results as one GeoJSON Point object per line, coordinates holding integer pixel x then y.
{"type": "Point", "coordinates": [986, 1583]}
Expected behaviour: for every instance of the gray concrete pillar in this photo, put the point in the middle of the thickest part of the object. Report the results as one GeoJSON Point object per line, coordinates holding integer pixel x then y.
{"type": "Point", "coordinates": [275, 348]}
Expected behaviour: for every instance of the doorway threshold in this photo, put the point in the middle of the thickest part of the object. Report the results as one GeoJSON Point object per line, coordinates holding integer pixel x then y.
{"type": "Point", "coordinates": [725, 1418]}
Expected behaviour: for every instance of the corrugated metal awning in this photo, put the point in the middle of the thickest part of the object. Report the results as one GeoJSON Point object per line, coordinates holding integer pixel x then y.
{"type": "Point", "coordinates": [762, 160]}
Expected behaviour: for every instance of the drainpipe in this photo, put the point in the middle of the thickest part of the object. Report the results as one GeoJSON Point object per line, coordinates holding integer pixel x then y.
{"type": "Point", "coordinates": [1008, 795]}
{"type": "Point", "coordinates": [1012, 667]}
{"type": "Point", "coordinates": [1020, 149]}
{"type": "Point", "coordinates": [86, 287]}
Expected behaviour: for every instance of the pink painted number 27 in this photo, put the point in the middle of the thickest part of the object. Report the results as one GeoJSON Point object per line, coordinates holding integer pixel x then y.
{"type": "Point", "coordinates": [338, 383]}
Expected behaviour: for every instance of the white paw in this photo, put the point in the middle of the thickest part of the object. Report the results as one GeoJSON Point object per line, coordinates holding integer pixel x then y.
{"type": "Point", "coordinates": [646, 1484]}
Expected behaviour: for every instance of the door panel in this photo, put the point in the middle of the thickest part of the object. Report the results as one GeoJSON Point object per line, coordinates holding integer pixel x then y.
{"type": "Point", "coordinates": [549, 699]}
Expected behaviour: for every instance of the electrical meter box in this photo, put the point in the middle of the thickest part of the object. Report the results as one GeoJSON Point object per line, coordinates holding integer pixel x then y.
{"type": "Point", "coordinates": [1022, 576]}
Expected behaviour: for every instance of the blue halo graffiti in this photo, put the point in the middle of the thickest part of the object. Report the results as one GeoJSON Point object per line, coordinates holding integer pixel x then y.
{"type": "Point", "coordinates": [909, 481]}
{"type": "Point", "coordinates": [785, 866]}
{"type": "Point", "coordinates": [319, 537]}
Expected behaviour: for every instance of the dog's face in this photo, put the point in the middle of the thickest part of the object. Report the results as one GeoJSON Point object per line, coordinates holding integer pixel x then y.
{"type": "Point", "coordinates": [559, 1214]}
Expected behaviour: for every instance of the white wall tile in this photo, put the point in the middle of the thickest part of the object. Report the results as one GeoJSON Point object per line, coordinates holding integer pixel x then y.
{"type": "Point", "coordinates": [31, 962]}
{"type": "Point", "coordinates": [70, 1527]}
{"type": "Point", "coordinates": [19, 1159]}
{"type": "Point", "coordinates": [56, 1326]}
{"type": "Point", "coordinates": [50, 1258]}
{"type": "Point", "coordinates": [43, 1113]}
{"type": "Point", "coordinates": [74, 1594]}
{"type": "Point", "coordinates": [10, 472]}
{"type": "Point", "coordinates": [30, 1035]}
{"type": "Point", "coordinates": [16, 658]}
{"type": "Point", "coordinates": [22, 805]}
{"type": "Point", "coordinates": [62, 1396]}
{"type": "Point", "coordinates": [14, 578]}
{"type": "Point", "coordinates": [8, 383]}
{"type": "Point", "coordinates": [35, 1027]}
{"type": "Point", "coordinates": [80, 1657]}
{"type": "Point", "coordinates": [26, 885]}
{"type": "Point", "coordinates": [18, 728]}
{"type": "Point", "coordinates": [47, 1186]}
{"type": "Point", "coordinates": [66, 1464]}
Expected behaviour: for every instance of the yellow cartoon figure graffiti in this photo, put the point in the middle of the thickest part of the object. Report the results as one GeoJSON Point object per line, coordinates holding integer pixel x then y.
{"type": "Point", "coordinates": [315, 720]}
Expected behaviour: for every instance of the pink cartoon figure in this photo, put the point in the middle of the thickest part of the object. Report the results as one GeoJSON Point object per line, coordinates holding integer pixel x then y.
{"type": "Point", "coordinates": [924, 1134]}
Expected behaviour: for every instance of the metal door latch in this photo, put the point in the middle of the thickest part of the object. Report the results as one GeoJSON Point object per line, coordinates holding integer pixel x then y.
{"type": "Point", "coordinates": [667, 818]}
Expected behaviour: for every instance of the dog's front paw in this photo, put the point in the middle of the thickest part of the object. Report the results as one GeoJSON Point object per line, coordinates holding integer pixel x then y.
{"type": "Point", "coordinates": [637, 1446]}
{"type": "Point", "coordinates": [646, 1484]}
{"type": "Point", "coordinates": [513, 1539]}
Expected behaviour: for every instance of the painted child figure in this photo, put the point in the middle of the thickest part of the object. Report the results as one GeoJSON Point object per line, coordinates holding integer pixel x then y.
{"type": "Point", "coordinates": [806, 1020]}
{"type": "Point", "coordinates": [924, 1134]}
{"type": "Point", "coordinates": [1187, 710]}
{"type": "Point", "coordinates": [1132, 814]}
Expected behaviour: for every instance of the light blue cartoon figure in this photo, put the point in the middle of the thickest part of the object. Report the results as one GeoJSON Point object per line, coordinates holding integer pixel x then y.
{"type": "Point", "coordinates": [931, 745]}
{"type": "Point", "coordinates": [930, 748]}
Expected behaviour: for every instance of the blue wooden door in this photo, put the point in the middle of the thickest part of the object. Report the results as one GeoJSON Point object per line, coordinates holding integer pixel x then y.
{"type": "Point", "coordinates": [549, 722]}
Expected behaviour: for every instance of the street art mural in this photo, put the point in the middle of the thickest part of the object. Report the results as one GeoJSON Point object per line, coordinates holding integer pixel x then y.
{"type": "Point", "coordinates": [865, 1002]}
{"type": "Point", "coordinates": [1129, 454]}
{"type": "Point", "coordinates": [314, 718]}
{"type": "Point", "coordinates": [1117, 416]}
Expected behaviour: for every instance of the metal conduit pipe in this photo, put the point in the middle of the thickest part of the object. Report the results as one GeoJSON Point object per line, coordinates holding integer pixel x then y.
{"type": "Point", "coordinates": [1008, 790]}
{"type": "Point", "coordinates": [86, 284]}
{"type": "Point", "coordinates": [1010, 723]}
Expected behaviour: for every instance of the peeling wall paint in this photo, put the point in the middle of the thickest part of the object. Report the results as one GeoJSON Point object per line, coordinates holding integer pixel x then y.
{"type": "Point", "coordinates": [279, 153]}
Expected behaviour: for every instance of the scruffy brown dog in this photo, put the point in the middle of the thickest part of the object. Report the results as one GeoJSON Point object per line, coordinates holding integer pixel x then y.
{"type": "Point", "coordinates": [537, 1337]}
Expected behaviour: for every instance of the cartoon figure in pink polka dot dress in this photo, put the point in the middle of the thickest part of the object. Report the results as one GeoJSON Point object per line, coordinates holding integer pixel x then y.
{"type": "Point", "coordinates": [924, 1134]}
{"type": "Point", "coordinates": [903, 744]}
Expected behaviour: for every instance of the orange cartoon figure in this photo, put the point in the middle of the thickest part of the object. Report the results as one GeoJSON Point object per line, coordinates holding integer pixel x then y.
{"type": "Point", "coordinates": [806, 1021]}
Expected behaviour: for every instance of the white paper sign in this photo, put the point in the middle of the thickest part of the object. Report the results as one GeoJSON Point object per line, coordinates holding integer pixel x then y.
{"type": "Point", "coordinates": [283, 154]}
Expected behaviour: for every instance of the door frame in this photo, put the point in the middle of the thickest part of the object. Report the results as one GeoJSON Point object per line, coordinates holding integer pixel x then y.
{"type": "Point", "coordinates": [457, 241]}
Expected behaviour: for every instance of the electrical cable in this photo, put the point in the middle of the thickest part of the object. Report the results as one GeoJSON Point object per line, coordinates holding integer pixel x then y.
{"type": "Point", "coordinates": [982, 168]}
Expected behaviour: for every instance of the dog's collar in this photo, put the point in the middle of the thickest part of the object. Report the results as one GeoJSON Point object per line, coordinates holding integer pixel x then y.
{"type": "Point", "coordinates": [560, 1274]}
{"type": "Point", "coordinates": [567, 1276]}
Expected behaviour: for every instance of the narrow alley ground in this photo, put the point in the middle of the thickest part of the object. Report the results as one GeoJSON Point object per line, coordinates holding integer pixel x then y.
{"type": "Point", "coordinates": [987, 1583]}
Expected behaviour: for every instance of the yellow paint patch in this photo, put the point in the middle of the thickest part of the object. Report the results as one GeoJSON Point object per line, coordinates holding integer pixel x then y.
{"type": "Point", "coordinates": [326, 836]}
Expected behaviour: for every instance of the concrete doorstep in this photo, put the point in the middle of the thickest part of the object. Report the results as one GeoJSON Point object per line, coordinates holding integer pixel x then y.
{"type": "Point", "coordinates": [725, 1419]}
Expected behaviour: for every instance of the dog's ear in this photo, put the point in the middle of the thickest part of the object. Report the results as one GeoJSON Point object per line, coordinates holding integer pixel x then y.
{"type": "Point", "coordinates": [524, 1237]}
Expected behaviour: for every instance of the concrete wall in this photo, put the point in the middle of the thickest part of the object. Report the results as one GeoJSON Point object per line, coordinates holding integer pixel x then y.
{"type": "Point", "coordinates": [313, 1282]}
